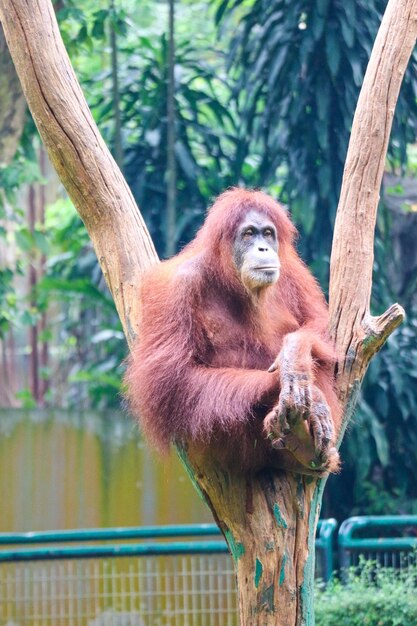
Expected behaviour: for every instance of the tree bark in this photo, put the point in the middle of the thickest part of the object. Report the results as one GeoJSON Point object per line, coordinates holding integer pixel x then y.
{"type": "Point", "coordinates": [268, 519]}
{"type": "Point", "coordinates": [357, 334]}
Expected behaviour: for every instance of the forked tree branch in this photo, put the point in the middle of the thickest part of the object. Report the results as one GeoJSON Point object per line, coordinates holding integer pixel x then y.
{"type": "Point", "coordinates": [357, 334]}
{"type": "Point", "coordinates": [105, 203]}
{"type": "Point", "coordinates": [268, 518]}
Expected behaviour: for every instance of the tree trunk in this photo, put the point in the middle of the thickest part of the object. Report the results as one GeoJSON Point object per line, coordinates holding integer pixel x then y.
{"type": "Point", "coordinates": [268, 519]}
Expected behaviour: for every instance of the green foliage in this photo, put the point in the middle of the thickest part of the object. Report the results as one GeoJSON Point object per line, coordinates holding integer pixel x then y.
{"type": "Point", "coordinates": [298, 66]}
{"type": "Point", "coordinates": [82, 26]}
{"type": "Point", "coordinates": [23, 170]}
{"type": "Point", "coordinates": [205, 130]}
{"type": "Point", "coordinates": [375, 597]}
{"type": "Point", "coordinates": [89, 336]}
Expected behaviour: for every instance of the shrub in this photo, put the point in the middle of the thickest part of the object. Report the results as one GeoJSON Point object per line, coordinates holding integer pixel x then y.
{"type": "Point", "coordinates": [375, 597]}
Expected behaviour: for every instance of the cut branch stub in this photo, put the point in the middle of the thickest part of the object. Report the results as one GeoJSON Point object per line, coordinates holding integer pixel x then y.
{"type": "Point", "coordinates": [378, 329]}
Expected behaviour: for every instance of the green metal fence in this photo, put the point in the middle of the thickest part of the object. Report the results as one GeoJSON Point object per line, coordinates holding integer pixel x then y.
{"type": "Point", "coordinates": [388, 540]}
{"type": "Point", "coordinates": [324, 548]}
{"type": "Point", "coordinates": [157, 582]}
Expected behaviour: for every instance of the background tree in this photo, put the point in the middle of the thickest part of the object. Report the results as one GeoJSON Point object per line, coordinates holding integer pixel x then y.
{"type": "Point", "coordinates": [12, 111]}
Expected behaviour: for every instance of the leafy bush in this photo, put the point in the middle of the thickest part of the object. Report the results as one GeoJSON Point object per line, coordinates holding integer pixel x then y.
{"type": "Point", "coordinates": [375, 597]}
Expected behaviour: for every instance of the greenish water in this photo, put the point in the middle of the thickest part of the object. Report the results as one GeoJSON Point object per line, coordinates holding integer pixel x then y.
{"type": "Point", "coordinates": [61, 469]}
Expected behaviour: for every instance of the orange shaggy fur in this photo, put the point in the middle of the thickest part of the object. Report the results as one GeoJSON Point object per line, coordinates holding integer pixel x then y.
{"type": "Point", "coordinates": [198, 372]}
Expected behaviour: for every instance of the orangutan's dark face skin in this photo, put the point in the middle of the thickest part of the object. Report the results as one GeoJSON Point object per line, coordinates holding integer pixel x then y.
{"type": "Point", "coordinates": [255, 251]}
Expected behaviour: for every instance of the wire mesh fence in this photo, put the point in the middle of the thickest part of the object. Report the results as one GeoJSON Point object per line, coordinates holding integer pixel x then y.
{"type": "Point", "coordinates": [98, 577]}
{"type": "Point", "coordinates": [181, 590]}
{"type": "Point", "coordinates": [369, 543]}
{"type": "Point", "coordinates": [400, 560]}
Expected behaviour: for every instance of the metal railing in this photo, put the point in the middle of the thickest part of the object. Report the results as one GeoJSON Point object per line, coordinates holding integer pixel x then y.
{"type": "Point", "coordinates": [111, 534]}
{"type": "Point", "coordinates": [172, 583]}
{"type": "Point", "coordinates": [388, 541]}
{"type": "Point", "coordinates": [125, 583]}
{"type": "Point", "coordinates": [324, 548]}
{"type": "Point", "coordinates": [163, 575]}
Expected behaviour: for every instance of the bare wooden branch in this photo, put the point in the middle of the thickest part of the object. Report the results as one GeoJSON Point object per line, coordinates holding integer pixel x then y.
{"type": "Point", "coordinates": [357, 334]}
{"type": "Point", "coordinates": [78, 152]}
